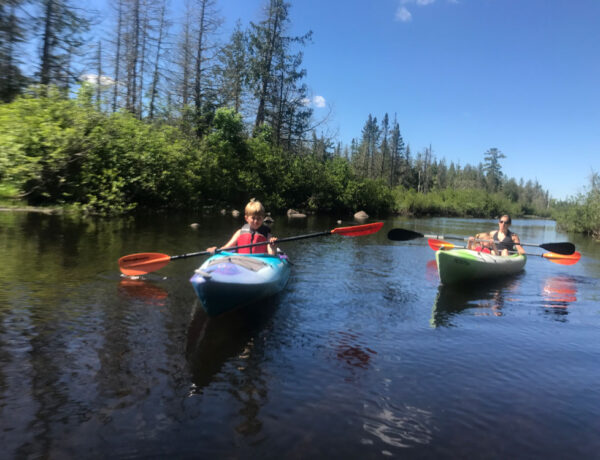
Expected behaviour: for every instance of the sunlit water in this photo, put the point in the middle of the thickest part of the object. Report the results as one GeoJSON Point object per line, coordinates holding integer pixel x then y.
{"type": "Point", "coordinates": [363, 355]}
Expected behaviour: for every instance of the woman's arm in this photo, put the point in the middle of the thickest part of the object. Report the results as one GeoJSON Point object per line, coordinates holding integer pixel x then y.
{"type": "Point", "coordinates": [517, 242]}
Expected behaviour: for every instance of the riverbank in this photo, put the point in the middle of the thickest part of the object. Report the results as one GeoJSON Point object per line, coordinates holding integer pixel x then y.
{"type": "Point", "coordinates": [42, 210]}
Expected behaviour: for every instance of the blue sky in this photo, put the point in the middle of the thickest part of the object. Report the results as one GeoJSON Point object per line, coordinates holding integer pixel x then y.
{"type": "Point", "coordinates": [461, 75]}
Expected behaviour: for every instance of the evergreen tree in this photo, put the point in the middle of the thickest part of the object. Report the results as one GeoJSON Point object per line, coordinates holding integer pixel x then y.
{"type": "Point", "coordinates": [63, 28]}
{"type": "Point", "coordinates": [275, 76]}
{"type": "Point", "coordinates": [398, 165]}
{"type": "Point", "coordinates": [117, 59]}
{"type": "Point", "coordinates": [204, 85]}
{"type": "Point", "coordinates": [383, 158]}
{"type": "Point", "coordinates": [492, 168]}
{"type": "Point", "coordinates": [363, 160]}
{"type": "Point", "coordinates": [232, 69]}
{"type": "Point", "coordinates": [156, 74]}
{"type": "Point", "coordinates": [12, 34]}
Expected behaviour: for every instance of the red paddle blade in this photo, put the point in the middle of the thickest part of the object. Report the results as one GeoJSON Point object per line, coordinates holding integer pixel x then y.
{"type": "Point", "coordinates": [561, 259]}
{"type": "Point", "coordinates": [436, 245]}
{"type": "Point", "coordinates": [142, 263]}
{"type": "Point", "coordinates": [358, 230]}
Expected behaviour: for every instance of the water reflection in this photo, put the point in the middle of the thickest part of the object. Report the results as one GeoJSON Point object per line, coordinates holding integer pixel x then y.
{"type": "Point", "coordinates": [226, 351]}
{"type": "Point", "coordinates": [431, 271]}
{"type": "Point", "coordinates": [487, 296]}
{"type": "Point", "coordinates": [350, 350]}
{"type": "Point", "coordinates": [558, 293]}
{"type": "Point", "coordinates": [144, 290]}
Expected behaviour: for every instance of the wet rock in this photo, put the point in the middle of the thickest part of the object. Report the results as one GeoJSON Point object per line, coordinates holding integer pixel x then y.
{"type": "Point", "coordinates": [295, 214]}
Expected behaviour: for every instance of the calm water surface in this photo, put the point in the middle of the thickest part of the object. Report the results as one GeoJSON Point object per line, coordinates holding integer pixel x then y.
{"type": "Point", "coordinates": [364, 355]}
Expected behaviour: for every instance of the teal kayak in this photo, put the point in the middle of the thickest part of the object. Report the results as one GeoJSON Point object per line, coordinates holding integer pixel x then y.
{"type": "Point", "coordinates": [463, 265]}
{"type": "Point", "coordinates": [228, 280]}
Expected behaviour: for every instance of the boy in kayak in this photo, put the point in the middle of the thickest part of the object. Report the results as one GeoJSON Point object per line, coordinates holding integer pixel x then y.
{"type": "Point", "coordinates": [482, 243]}
{"type": "Point", "coordinates": [254, 231]}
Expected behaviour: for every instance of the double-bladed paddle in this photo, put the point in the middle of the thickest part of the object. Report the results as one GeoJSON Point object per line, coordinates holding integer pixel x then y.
{"type": "Point", "coordinates": [562, 259]}
{"type": "Point", "coordinates": [400, 234]}
{"type": "Point", "coordinates": [146, 262]}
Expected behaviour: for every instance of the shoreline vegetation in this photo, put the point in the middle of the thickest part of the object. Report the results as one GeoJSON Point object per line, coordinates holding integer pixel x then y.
{"type": "Point", "coordinates": [60, 154]}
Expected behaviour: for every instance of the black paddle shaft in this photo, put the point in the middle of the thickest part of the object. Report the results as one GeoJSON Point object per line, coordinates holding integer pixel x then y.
{"type": "Point", "coordinates": [262, 243]}
{"type": "Point", "coordinates": [400, 234]}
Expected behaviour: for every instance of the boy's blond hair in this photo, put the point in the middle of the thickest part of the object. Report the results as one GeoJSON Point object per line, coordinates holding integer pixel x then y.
{"type": "Point", "coordinates": [254, 208]}
{"type": "Point", "coordinates": [484, 236]}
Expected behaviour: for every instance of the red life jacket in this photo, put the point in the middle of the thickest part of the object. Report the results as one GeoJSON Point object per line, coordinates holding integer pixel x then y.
{"type": "Point", "coordinates": [248, 236]}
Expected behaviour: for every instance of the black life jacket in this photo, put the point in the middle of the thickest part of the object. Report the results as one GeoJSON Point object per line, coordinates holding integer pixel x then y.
{"type": "Point", "coordinates": [506, 243]}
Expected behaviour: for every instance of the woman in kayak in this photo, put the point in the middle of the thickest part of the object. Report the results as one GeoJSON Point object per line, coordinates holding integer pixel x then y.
{"type": "Point", "coordinates": [254, 231]}
{"type": "Point", "coordinates": [504, 239]}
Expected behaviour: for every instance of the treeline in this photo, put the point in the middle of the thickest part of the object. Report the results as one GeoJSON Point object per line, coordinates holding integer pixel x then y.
{"type": "Point", "coordinates": [56, 150]}
{"type": "Point", "coordinates": [581, 214]}
{"type": "Point", "coordinates": [165, 116]}
{"type": "Point", "coordinates": [427, 185]}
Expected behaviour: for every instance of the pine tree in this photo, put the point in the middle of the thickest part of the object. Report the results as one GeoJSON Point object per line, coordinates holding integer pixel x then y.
{"type": "Point", "coordinates": [233, 69]}
{"type": "Point", "coordinates": [12, 34]}
{"type": "Point", "coordinates": [492, 168]}
{"type": "Point", "coordinates": [398, 163]}
{"type": "Point", "coordinates": [156, 74]}
{"type": "Point", "coordinates": [204, 86]}
{"type": "Point", "coordinates": [383, 158]}
{"type": "Point", "coordinates": [63, 28]}
{"type": "Point", "coordinates": [275, 76]}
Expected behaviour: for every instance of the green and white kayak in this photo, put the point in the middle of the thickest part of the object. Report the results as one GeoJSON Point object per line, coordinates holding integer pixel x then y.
{"type": "Point", "coordinates": [463, 265]}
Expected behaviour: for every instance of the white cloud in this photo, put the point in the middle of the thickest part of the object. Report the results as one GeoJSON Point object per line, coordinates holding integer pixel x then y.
{"type": "Point", "coordinates": [418, 2]}
{"type": "Point", "coordinates": [319, 101]}
{"type": "Point", "coordinates": [305, 102]}
{"type": "Point", "coordinates": [93, 79]}
{"type": "Point", "coordinates": [403, 15]}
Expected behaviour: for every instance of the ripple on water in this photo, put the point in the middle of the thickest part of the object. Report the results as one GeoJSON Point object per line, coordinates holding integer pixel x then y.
{"type": "Point", "coordinates": [396, 426]}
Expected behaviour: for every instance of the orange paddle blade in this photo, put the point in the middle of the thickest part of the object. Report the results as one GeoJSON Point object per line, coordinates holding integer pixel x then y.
{"type": "Point", "coordinates": [436, 245]}
{"type": "Point", "coordinates": [142, 263]}
{"type": "Point", "coordinates": [358, 230]}
{"type": "Point", "coordinates": [561, 259]}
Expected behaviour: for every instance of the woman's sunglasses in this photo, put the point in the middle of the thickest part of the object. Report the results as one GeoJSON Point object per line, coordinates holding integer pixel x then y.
{"type": "Point", "coordinates": [503, 221]}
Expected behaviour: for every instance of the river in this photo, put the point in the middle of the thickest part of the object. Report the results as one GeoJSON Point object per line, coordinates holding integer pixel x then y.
{"type": "Point", "coordinates": [364, 355]}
